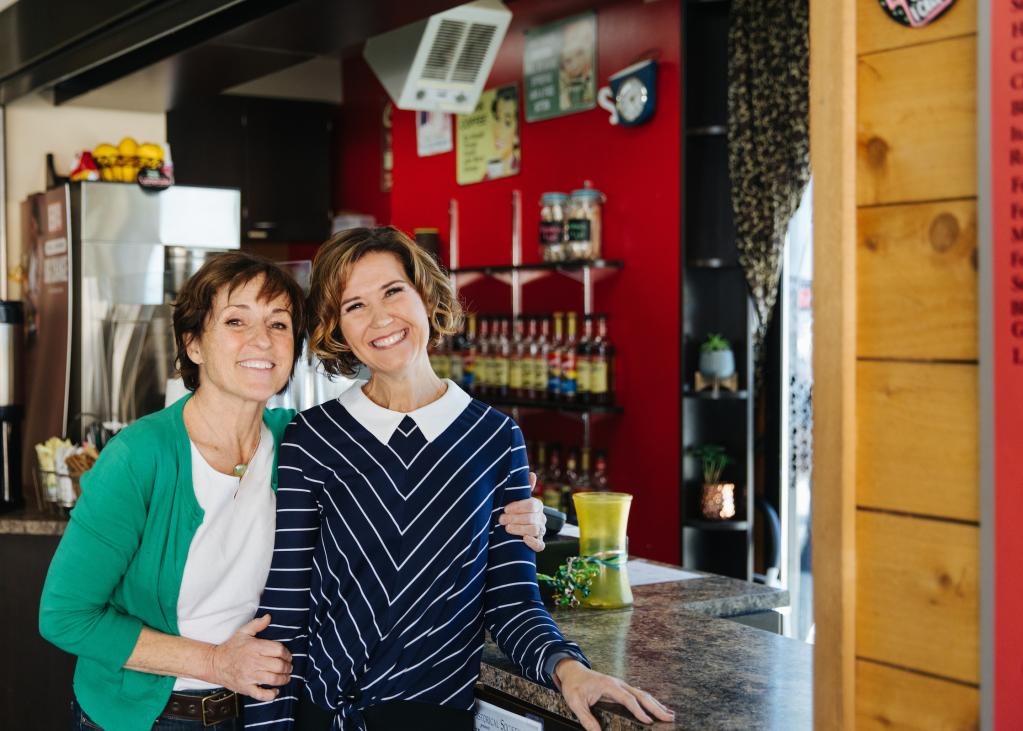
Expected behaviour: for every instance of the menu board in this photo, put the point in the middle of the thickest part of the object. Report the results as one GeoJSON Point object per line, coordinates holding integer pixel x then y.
{"type": "Point", "coordinates": [1000, 255]}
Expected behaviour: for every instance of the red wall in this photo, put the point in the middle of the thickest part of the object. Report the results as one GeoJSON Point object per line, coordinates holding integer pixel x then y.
{"type": "Point", "coordinates": [639, 171]}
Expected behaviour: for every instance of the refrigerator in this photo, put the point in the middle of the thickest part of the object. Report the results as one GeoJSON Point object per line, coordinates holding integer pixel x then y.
{"type": "Point", "coordinates": [105, 261]}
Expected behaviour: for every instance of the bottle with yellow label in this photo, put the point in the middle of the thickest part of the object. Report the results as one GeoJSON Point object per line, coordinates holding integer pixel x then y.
{"type": "Point", "coordinates": [602, 354]}
{"type": "Point", "coordinates": [517, 363]}
{"type": "Point", "coordinates": [554, 361]}
{"type": "Point", "coordinates": [483, 359]}
{"type": "Point", "coordinates": [501, 359]}
{"type": "Point", "coordinates": [582, 360]}
{"type": "Point", "coordinates": [469, 354]}
{"type": "Point", "coordinates": [568, 384]}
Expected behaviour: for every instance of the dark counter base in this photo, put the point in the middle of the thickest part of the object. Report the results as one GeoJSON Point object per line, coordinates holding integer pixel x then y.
{"type": "Point", "coordinates": [35, 677]}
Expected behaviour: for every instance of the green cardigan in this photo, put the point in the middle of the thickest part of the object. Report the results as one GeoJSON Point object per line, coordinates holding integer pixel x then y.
{"type": "Point", "coordinates": [119, 565]}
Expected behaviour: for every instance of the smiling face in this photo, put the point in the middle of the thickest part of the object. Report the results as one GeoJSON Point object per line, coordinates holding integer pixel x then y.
{"type": "Point", "coordinates": [247, 345]}
{"type": "Point", "coordinates": [505, 122]}
{"type": "Point", "coordinates": [383, 319]}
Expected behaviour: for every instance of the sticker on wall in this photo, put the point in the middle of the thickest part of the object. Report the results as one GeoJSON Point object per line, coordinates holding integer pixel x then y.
{"type": "Point", "coordinates": [433, 133]}
{"type": "Point", "coordinates": [559, 66]}
{"type": "Point", "coordinates": [916, 13]}
{"type": "Point", "coordinates": [488, 139]}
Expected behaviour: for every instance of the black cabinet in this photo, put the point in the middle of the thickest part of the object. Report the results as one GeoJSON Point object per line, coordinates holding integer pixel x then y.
{"type": "Point", "coordinates": [276, 152]}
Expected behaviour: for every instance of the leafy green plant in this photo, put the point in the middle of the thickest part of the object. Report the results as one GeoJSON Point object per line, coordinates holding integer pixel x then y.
{"type": "Point", "coordinates": [715, 342]}
{"type": "Point", "coordinates": [714, 459]}
{"type": "Point", "coordinates": [572, 579]}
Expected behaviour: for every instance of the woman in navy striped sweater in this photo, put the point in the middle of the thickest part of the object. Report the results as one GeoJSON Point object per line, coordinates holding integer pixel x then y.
{"type": "Point", "coordinates": [390, 558]}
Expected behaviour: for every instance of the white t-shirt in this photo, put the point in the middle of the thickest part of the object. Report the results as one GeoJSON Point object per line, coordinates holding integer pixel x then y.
{"type": "Point", "coordinates": [229, 559]}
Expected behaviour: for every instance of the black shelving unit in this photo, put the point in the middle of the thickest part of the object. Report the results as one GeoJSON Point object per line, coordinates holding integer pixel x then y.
{"type": "Point", "coordinates": [574, 265]}
{"type": "Point", "coordinates": [718, 525]}
{"type": "Point", "coordinates": [714, 299]}
{"type": "Point", "coordinates": [721, 395]}
{"type": "Point", "coordinates": [565, 406]}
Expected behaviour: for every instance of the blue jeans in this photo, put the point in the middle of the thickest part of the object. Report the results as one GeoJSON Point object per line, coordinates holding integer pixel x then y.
{"type": "Point", "coordinates": [80, 721]}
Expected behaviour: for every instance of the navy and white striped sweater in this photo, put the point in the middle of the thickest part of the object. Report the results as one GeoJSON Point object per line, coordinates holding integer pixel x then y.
{"type": "Point", "coordinates": [389, 562]}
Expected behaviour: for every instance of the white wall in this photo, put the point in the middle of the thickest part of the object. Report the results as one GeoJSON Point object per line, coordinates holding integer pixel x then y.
{"type": "Point", "coordinates": [36, 127]}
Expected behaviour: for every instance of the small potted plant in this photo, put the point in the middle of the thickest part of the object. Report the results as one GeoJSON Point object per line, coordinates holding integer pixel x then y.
{"type": "Point", "coordinates": [718, 499]}
{"type": "Point", "coordinates": [717, 362]}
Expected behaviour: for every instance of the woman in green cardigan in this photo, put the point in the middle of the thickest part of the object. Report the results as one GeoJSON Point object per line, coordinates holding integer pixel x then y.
{"type": "Point", "coordinates": [158, 576]}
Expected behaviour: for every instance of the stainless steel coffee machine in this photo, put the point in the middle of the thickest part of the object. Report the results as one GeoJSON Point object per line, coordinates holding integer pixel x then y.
{"type": "Point", "coordinates": [112, 257]}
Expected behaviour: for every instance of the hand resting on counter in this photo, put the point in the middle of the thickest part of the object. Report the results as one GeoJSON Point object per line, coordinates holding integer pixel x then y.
{"type": "Point", "coordinates": [583, 687]}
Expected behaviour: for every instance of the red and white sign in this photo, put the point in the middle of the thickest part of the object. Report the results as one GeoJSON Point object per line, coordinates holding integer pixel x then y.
{"type": "Point", "coordinates": [1001, 248]}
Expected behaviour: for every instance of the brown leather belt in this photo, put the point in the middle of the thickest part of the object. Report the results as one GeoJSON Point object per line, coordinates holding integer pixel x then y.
{"type": "Point", "coordinates": [211, 709]}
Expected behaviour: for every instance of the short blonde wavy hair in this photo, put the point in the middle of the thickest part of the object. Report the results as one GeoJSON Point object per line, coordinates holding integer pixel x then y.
{"type": "Point", "coordinates": [332, 267]}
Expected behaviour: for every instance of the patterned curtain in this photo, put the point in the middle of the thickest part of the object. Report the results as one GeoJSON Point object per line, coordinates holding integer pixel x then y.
{"type": "Point", "coordinates": [768, 139]}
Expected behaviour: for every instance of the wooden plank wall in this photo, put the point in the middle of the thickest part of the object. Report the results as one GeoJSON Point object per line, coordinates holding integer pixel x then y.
{"type": "Point", "coordinates": [917, 492]}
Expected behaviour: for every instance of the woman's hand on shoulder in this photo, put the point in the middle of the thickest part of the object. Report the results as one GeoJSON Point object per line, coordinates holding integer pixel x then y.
{"type": "Point", "coordinates": [245, 662]}
{"type": "Point", "coordinates": [525, 518]}
{"type": "Point", "coordinates": [583, 687]}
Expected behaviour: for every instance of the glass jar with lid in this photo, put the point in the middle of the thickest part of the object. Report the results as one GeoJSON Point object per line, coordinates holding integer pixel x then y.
{"type": "Point", "coordinates": [584, 223]}
{"type": "Point", "coordinates": [553, 207]}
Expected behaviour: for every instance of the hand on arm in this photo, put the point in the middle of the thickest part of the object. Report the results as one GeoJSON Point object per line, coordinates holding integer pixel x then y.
{"type": "Point", "coordinates": [240, 664]}
{"type": "Point", "coordinates": [583, 687]}
{"type": "Point", "coordinates": [525, 518]}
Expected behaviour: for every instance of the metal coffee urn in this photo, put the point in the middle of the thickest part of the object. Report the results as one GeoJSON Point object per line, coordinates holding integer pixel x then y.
{"type": "Point", "coordinates": [12, 325]}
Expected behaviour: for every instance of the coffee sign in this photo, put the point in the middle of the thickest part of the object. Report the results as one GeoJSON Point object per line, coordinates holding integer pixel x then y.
{"type": "Point", "coordinates": [916, 13]}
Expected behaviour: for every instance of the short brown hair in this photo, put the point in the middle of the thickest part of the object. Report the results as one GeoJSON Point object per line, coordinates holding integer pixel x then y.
{"type": "Point", "coordinates": [194, 304]}
{"type": "Point", "coordinates": [331, 269]}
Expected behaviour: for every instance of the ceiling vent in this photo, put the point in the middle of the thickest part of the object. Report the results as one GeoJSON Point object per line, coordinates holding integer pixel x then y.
{"type": "Point", "coordinates": [441, 63]}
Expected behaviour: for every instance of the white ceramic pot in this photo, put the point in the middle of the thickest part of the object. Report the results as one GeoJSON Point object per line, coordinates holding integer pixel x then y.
{"type": "Point", "coordinates": [718, 364]}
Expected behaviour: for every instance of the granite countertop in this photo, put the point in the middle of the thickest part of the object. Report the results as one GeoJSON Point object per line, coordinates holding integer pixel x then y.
{"type": "Point", "coordinates": [714, 673]}
{"type": "Point", "coordinates": [32, 522]}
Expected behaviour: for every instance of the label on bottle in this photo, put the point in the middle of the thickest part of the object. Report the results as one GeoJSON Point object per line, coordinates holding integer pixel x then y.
{"type": "Point", "coordinates": [539, 374]}
{"type": "Point", "coordinates": [598, 377]}
{"type": "Point", "coordinates": [579, 229]}
{"type": "Point", "coordinates": [553, 373]}
{"type": "Point", "coordinates": [552, 496]}
{"type": "Point", "coordinates": [552, 232]}
{"type": "Point", "coordinates": [568, 374]}
{"type": "Point", "coordinates": [485, 371]}
{"type": "Point", "coordinates": [515, 373]}
{"type": "Point", "coordinates": [582, 375]}
{"type": "Point", "coordinates": [501, 372]}
{"type": "Point", "coordinates": [469, 371]}
{"type": "Point", "coordinates": [455, 369]}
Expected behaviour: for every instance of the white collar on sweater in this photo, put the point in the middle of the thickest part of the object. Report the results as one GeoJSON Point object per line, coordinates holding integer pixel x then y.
{"type": "Point", "coordinates": [431, 419]}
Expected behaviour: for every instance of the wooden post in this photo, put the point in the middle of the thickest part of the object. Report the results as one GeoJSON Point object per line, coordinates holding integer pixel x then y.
{"type": "Point", "coordinates": [833, 160]}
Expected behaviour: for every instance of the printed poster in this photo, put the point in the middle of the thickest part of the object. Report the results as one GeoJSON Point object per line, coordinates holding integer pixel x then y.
{"type": "Point", "coordinates": [559, 66]}
{"type": "Point", "coordinates": [433, 133]}
{"type": "Point", "coordinates": [488, 139]}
